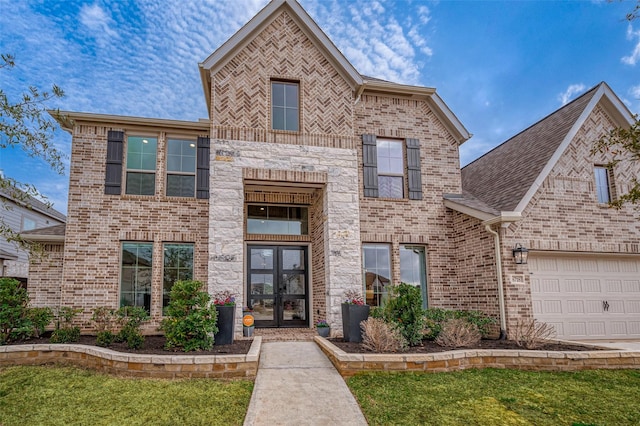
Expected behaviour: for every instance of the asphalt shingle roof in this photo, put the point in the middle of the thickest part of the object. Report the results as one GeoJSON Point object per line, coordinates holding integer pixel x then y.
{"type": "Point", "coordinates": [55, 230]}
{"type": "Point", "coordinates": [502, 177]}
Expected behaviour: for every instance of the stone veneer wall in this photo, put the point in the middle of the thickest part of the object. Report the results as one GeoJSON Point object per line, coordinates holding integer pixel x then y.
{"type": "Point", "coordinates": [334, 168]}
{"type": "Point", "coordinates": [98, 224]}
{"type": "Point", "coordinates": [46, 276]}
{"type": "Point", "coordinates": [423, 222]}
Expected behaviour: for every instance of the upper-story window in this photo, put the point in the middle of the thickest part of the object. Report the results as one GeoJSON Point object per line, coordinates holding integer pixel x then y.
{"type": "Point", "coordinates": [390, 168]}
{"type": "Point", "coordinates": [385, 171]}
{"type": "Point", "coordinates": [604, 184]}
{"type": "Point", "coordinates": [28, 224]}
{"type": "Point", "coordinates": [181, 168]}
{"type": "Point", "coordinates": [141, 165]}
{"type": "Point", "coordinates": [285, 111]}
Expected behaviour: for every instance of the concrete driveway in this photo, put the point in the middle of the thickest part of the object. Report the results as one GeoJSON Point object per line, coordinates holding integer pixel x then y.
{"type": "Point", "coordinates": [629, 345]}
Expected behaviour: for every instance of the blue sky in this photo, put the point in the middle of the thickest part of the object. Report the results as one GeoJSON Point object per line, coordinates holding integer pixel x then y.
{"type": "Point", "coordinates": [499, 65]}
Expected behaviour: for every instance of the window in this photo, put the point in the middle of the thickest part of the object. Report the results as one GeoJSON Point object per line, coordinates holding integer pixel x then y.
{"type": "Point", "coordinates": [390, 169]}
{"type": "Point", "coordinates": [178, 266]}
{"type": "Point", "coordinates": [284, 106]}
{"type": "Point", "coordinates": [277, 220]}
{"type": "Point", "coordinates": [384, 168]}
{"type": "Point", "coordinates": [377, 272]}
{"type": "Point", "coordinates": [413, 269]}
{"type": "Point", "coordinates": [135, 280]}
{"type": "Point", "coordinates": [181, 168]}
{"type": "Point", "coordinates": [141, 165]}
{"type": "Point", "coordinates": [604, 184]}
{"type": "Point", "coordinates": [28, 224]}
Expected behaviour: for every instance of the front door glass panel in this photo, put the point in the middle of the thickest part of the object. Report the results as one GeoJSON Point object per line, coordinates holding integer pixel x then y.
{"type": "Point", "coordinates": [277, 285]}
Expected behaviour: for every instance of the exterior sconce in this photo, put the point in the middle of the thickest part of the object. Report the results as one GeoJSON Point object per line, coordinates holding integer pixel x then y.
{"type": "Point", "coordinates": [520, 254]}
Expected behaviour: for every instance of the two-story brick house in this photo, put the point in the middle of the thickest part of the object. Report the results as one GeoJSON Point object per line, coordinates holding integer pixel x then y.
{"type": "Point", "coordinates": [308, 179]}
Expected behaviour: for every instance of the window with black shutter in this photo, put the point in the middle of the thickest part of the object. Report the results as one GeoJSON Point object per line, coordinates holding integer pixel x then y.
{"type": "Point", "coordinates": [113, 172]}
{"type": "Point", "coordinates": [202, 172]}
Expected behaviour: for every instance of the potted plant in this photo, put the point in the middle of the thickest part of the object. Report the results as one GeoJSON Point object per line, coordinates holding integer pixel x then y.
{"type": "Point", "coordinates": [354, 311]}
{"type": "Point", "coordinates": [323, 328]}
{"type": "Point", "coordinates": [225, 303]}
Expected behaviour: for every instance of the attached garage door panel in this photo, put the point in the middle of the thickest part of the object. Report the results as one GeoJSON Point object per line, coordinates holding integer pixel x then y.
{"type": "Point", "coordinates": [587, 297]}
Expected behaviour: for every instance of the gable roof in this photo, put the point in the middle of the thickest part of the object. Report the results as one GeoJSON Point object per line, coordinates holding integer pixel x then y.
{"type": "Point", "coordinates": [22, 199]}
{"type": "Point", "coordinates": [53, 233]}
{"type": "Point", "coordinates": [359, 83]}
{"type": "Point", "coordinates": [507, 177]}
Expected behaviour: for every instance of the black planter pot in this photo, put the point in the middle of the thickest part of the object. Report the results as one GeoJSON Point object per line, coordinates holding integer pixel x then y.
{"type": "Point", "coordinates": [226, 323]}
{"type": "Point", "coordinates": [352, 316]}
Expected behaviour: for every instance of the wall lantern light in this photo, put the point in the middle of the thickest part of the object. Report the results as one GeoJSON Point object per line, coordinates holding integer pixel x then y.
{"type": "Point", "coordinates": [520, 254]}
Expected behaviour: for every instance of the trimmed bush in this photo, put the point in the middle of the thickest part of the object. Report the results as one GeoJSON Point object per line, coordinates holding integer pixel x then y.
{"type": "Point", "coordinates": [14, 319]}
{"type": "Point", "coordinates": [131, 319]}
{"type": "Point", "coordinates": [404, 310]}
{"type": "Point", "coordinates": [458, 332]}
{"type": "Point", "coordinates": [192, 318]}
{"type": "Point", "coordinates": [436, 317]}
{"type": "Point", "coordinates": [65, 331]}
{"type": "Point", "coordinates": [532, 334]}
{"type": "Point", "coordinates": [379, 336]}
{"type": "Point", "coordinates": [40, 318]}
{"type": "Point", "coordinates": [105, 321]}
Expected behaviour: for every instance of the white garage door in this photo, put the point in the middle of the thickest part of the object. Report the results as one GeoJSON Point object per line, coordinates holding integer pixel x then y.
{"type": "Point", "coordinates": [587, 297]}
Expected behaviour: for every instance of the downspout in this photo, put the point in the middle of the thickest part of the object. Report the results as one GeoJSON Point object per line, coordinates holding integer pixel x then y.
{"type": "Point", "coordinates": [503, 320]}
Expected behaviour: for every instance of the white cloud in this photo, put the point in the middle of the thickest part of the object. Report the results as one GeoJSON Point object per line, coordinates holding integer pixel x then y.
{"type": "Point", "coordinates": [98, 22]}
{"type": "Point", "coordinates": [573, 89]}
{"type": "Point", "coordinates": [424, 14]}
{"type": "Point", "coordinates": [635, 55]}
{"type": "Point", "coordinates": [635, 92]}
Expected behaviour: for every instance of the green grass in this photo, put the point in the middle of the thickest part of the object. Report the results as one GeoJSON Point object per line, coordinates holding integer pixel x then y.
{"type": "Point", "coordinates": [500, 397]}
{"type": "Point", "coordinates": [72, 396]}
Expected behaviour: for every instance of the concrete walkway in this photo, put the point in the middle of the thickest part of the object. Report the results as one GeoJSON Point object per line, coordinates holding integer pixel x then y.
{"type": "Point", "coordinates": [628, 345]}
{"type": "Point", "coordinates": [297, 385]}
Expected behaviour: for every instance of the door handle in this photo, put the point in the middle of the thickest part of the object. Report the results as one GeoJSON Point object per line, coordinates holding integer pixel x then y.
{"type": "Point", "coordinates": [605, 306]}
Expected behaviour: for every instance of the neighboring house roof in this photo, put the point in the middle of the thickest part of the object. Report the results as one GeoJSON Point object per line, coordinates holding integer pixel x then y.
{"type": "Point", "coordinates": [49, 234]}
{"type": "Point", "coordinates": [359, 83]}
{"type": "Point", "coordinates": [507, 177]}
{"type": "Point", "coordinates": [22, 199]}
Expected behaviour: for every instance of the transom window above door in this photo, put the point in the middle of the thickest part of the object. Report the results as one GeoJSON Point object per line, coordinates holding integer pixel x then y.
{"type": "Point", "coordinates": [277, 220]}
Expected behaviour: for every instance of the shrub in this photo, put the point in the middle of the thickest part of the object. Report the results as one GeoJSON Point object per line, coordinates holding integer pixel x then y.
{"type": "Point", "coordinates": [436, 317]}
{"type": "Point", "coordinates": [131, 319]}
{"type": "Point", "coordinates": [379, 336]}
{"type": "Point", "coordinates": [458, 332]}
{"type": "Point", "coordinates": [105, 325]}
{"type": "Point", "coordinates": [65, 331]}
{"type": "Point", "coordinates": [192, 318]}
{"type": "Point", "coordinates": [40, 318]}
{"type": "Point", "coordinates": [532, 334]}
{"type": "Point", "coordinates": [14, 319]}
{"type": "Point", "coordinates": [404, 310]}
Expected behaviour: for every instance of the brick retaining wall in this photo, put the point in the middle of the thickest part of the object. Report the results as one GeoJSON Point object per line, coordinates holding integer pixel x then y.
{"type": "Point", "coordinates": [349, 364]}
{"type": "Point", "coordinates": [136, 365]}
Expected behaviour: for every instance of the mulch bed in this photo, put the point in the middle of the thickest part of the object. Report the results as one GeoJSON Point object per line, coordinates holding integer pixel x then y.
{"type": "Point", "coordinates": [428, 346]}
{"type": "Point", "coordinates": [152, 345]}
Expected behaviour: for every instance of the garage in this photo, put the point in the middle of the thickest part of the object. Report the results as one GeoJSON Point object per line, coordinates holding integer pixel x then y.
{"type": "Point", "coordinates": [587, 296]}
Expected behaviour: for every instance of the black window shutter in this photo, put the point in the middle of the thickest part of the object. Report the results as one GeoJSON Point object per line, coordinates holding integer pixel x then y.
{"type": "Point", "coordinates": [202, 174]}
{"type": "Point", "coordinates": [113, 173]}
{"type": "Point", "coordinates": [370, 163]}
{"type": "Point", "coordinates": [413, 169]}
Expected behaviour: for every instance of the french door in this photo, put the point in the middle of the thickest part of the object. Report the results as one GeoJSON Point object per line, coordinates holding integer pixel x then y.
{"type": "Point", "coordinates": [277, 285]}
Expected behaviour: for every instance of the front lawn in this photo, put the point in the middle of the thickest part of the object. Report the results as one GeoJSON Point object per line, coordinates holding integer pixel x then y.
{"type": "Point", "coordinates": [72, 396]}
{"type": "Point", "coordinates": [500, 397]}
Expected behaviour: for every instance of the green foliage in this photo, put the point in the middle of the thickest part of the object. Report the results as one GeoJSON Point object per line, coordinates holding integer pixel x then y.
{"type": "Point", "coordinates": [65, 331]}
{"type": "Point", "coordinates": [622, 145]}
{"type": "Point", "coordinates": [53, 395]}
{"type": "Point", "coordinates": [131, 319]}
{"type": "Point", "coordinates": [192, 318]}
{"type": "Point", "coordinates": [105, 324]}
{"type": "Point", "coordinates": [404, 310]}
{"type": "Point", "coordinates": [14, 318]}
{"type": "Point", "coordinates": [25, 124]}
{"type": "Point", "coordinates": [40, 318]}
{"type": "Point", "coordinates": [436, 317]}
{"type": "Point", "coordinates": [105, 338]}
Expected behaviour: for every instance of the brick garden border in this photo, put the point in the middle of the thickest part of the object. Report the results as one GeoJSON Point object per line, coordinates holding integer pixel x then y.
{"type": "Point", "coordinates": [349, 364]}
{"type": "Point", "coordinates": [136, 365]}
